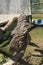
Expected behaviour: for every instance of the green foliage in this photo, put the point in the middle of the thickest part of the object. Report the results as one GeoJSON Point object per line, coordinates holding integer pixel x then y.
{"type": "Point", "coordinates": [6, 35]}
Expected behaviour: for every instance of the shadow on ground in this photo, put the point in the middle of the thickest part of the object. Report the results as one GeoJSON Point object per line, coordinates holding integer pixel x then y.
{"type": "Point", "coordinates": [33, 44]}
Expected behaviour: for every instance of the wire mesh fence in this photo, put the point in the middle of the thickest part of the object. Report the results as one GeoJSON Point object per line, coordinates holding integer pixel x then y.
{"type": "Point", "coordinates": [37, 6]}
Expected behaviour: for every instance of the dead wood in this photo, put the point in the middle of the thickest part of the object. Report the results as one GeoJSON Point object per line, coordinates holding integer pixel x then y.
{"type": "Point", "coordinates": [10, 23]}
{"type": "Point", "coordinates": [19, 33]}
{"type": "Point", "coordinates": [19, 41]}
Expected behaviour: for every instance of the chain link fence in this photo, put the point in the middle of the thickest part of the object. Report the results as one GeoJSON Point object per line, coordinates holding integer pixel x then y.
{"type": "Point", "coordinates": [37, 6]}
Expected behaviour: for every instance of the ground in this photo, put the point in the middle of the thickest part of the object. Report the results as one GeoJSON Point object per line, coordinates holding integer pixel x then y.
{"type": "Point", "coordinates": [34, 51]}
{"type": "Point", "coordinates": [35, 48]}
{"type": "Point", "coordinates": [37, 16]}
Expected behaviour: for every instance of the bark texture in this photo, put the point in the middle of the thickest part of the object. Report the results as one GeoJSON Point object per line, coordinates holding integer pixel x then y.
{"type": "Point", "coordinates": [20, 39]}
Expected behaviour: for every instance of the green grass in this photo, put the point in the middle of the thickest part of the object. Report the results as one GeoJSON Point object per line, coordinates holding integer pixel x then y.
{"type": "Point", "coordinates": [37, 16]}
{"type": "Point", "coordinates": [37, 31]}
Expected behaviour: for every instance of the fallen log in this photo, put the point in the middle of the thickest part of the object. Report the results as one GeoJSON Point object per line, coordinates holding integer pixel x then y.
{"type": "Point", "coordinates": [10, 23]}
{"type": "Point", "coordinates": [20, 39]}
{"type": "Point", "coordinates": [6, 27]}
{"type": "Point", "coordinates": [4, 23]}
{"type": "Point", "coordinates": [20, 32]}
